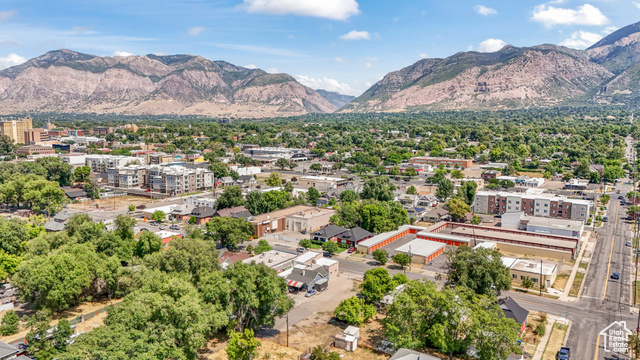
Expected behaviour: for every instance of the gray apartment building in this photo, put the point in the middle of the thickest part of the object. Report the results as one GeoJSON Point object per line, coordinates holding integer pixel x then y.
{"type": "Point", "coordinates": [532, 204]}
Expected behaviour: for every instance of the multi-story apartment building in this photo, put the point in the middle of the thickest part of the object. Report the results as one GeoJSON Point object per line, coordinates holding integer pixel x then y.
{"type": "Point", "coordinates": [15, 129]}
{"type": "Point", "coordinates": [101, 163]}
{"type": "Point", "coordinates": [173, 180]}
{"type": "Point", "coordinates": [533, 204]}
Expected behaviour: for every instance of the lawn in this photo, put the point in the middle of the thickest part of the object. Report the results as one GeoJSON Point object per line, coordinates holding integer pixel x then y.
{"type": "Point", "coordinates": [577, 282]}
{"type": "Point", "coordinates": [583, 265]}
{"type": "Point", "coordinates": [556, 339]}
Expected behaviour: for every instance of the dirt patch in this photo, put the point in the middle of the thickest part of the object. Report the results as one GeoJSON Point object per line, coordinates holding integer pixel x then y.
{"type": "Point", "coordinates": [561, 281]}
{"type": "Point", "coordinates": [114, 203]}
{"type": "Point", "coordinates": [530, 340]}
{"type": "Point", "coordinates": [577, 282]}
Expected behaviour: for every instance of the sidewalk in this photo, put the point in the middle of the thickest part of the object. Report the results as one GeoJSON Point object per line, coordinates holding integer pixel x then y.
{"type": "Point", "coordinates": [551, 320]}
{"type": "Point", "coordinates": [586, 246]}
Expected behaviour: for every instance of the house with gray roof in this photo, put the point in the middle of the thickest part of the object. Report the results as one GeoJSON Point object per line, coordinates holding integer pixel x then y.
{"type": "Point", "coordinates": [306, 277]}
{"type": "Point", "coordinates": [328, 233]}
{"type": "Point", "coordinates": [57, 222]}
{"type": "Point", "coordinates": [354, 235]}
{"type": "Point", "coordinates": [8, 351]}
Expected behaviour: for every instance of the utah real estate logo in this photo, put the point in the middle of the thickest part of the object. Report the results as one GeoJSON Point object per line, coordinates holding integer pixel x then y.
{"type": "Point", "coordinates": [616, 337]}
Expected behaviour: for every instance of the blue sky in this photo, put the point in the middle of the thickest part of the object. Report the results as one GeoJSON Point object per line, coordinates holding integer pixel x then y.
{"type": "Point", "coordinates": [339, 45]}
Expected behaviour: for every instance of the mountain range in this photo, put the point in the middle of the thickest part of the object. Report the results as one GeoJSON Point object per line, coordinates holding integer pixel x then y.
{"type": "Point", "coordinates": [514, 77]}
{"type": "Point", "coordinates": [546, 75]}
{"type": "Point", "coordinates": [68, 81]}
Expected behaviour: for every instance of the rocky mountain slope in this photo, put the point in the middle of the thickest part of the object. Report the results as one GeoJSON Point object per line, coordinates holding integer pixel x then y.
{"type": "Point", "coordinates": [334, 97]}
{"type": "Point", "coordinates": [67, 81]}
{"type": "Point", "coordinates": [545, 75]}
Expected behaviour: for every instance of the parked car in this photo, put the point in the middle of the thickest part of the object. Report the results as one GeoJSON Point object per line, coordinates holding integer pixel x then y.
{"type": "Point", "coordinates": [310, 293]}
{"type": "Point", "coordinates": [174, 227]}
{"type": "Point", "coordinates": [564, 353]}
{"type": "Point", "coordinates": [161, 228]}
{"type": "Point", "coordinates": [153, 223]}
{"type": "Point", "coordinates": [351, 250]}
{"type": "Point", "coordinates": [615, 276]}
{"type": "Point", "coordinates": [628, 243]}
{"type": "Point", "coordinates": [327, 254]}
{"type": "Point", "coordinates": [621, 197]}
{"type": "Point", "coordinates": [301, 250]}
{"type": "Point", "coordinates": [144, 229]}
{"type": "Point", "coordinates": [140, 207]}
{"type": "Point", "coordinates": [605, 219]}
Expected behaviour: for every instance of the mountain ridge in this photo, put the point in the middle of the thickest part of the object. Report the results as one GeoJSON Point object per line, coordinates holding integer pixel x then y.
{"type": "Point", "coordinates": [68, 81]}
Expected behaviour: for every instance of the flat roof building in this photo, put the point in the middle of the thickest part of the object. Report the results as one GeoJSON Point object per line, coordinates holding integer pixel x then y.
{"type": "Point", "coordinates": [301, 218]}
{"type": "Point", "coordinates": [422, 251]}
{"type": "Point", "coordinates": [465, 163]}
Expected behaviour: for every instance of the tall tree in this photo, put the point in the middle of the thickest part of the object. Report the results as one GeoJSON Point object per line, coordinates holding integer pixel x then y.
{"type": "Point", "coordinates": [231, 196]}
{"type": "Point", "coordinates": [480, 270]}
{"type": "Point", "coordinates": [230, 232]}
{"type": "Point", "coordinates": [242, 345]}
{"type": "Point", "coordinates": [445, 189]}
{"type": "Point", "coordinates": [378, 188]}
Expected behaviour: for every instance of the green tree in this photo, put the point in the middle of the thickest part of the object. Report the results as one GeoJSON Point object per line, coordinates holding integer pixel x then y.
{"type": "Point", "coordinates": [445, 189]}
{"type": "Point", "coordinates": [81, 173]}
{"type": "Point", "coordinates": [476, 220]}
{"type": "Point", "coordinates": [315, 167]}
{"type": "Point", "coordinates": [242, 345]}
{"type": "Point", "coordinates": [612, 173]}
{"type": "Point", "coordinates": [230, 232]}
{"type": "Point", "coordinates": [457, 174]}
{"type": "Point", "coordinates": [313, 195]}
{"type": "Point", "coordinates": [8, 264]}
{"type": "Point", "coordinates": [378, 188]}
{"type": "Point", "coordinates": [230, 197]}
{"type": "Point", "coordinates": [147, 243]}
{"type": "Point", "coordinates": [377, 283]}
{"type": "Point", "coordinates": [527, 283]}
{"type": "Point", "coordinates": [6, 145]}
{"type": "Point", "coordinates": [354, 311]}
{"type": "Point", "coordinates": [319, 353]}
{"type": "Point", "coordinates": [131, 208]}
{"type": "Point", "coordinates": [480, 270]}
{"type": "Point", "coordinates": [263, 246]}
{"type": "Point", "coordinates": [158, 215]}
{"type": "Point", "coordinates": [412, 190]}
{"type": "Point", "coordinates": [274, 179]}
{"type": "Point", "coordinates": [9, 325]}
{"type": "Point", "coordinates": [330, 247]}
{"type": "Point", "coordinates": [401, 259]}
{"type": "Point", "coordinates": [457, 209]}
{"type": "Point", "coordinates": [381, 256]}
{"type": "Point", "coordinates": [282, 163]}
{"type": "Point", "coordinates": [349, 196]}
{"type": "Point", "coordinates": [305, 243]}
{"type": "Point", "coordinates": [61, 334]}
{"type": "Point", "coordinates": [604, 199]}
{"type": "Point", "coordinates": [467, 192]}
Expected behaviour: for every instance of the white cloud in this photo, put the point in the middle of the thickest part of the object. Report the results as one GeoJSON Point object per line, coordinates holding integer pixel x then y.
{"type": "Point", "coordinates": [368, 64]}
{"type": "Point", "coordinates": [196, 30]}
{"type": "Point", "coordinates": [338, 59]}
{"type": "Point", "coordinates": [272, 70]}
{"type": "Point", "coordinates": [609, 29]}
{"type": "Point", "coordinates": [10, 60]}
{"type": "Point", "coordinates": [330, 9]}
{"type": "Point", "coordinates": [251, 66]}
{"type": "Point", "coordinates": [581, 39]}
{"type": "Point", "coordinates": [122, 53]}
{"type": "Point", "coordinates": [491, 45]}
{"type": "Point", "coordinates": [325, 83]}
{"type": "Point", "coordinates": [584, 15]}
{"type": "Point", "coordinates": [82, 30]}
{"type": "Point", "coordinates": [423, 56]}
{"type": "Point", "coordinates": [6, 15]}
{"type": "Point", "coordinates": [483, 10]}
{"type": "Point", "coordinates": [356, 35]}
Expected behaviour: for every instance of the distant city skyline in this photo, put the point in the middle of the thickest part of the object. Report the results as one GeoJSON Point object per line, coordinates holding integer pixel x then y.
{"type": "Point", "coordinates": [336, 45]}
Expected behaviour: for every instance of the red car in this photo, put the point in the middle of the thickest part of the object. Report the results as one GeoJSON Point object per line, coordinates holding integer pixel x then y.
{"type": "Point", "coordinates": [351, 250]}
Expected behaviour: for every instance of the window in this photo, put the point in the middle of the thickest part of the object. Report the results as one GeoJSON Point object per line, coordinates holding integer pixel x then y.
{"type": "Point", "coordinates": [517, 202]}
{"type": "Point", "coordinates": [514, 276]}
{"type": "Point", "coordinates": [522, 277]}
{"type": "Point", "coordinates": [546, 205]}
{"type": "Point", "coordinates": [535, 280]}
{"type": "Point", "coordinates": [545, 211]}
{"type": "Point", "coordinates": [509, 207]}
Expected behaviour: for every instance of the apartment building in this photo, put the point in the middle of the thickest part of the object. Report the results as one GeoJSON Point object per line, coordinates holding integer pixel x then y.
{"type": "Point", "coordinates": [532, 204]}
{"type": "Point", "coordinates": [102, 163]}
{"type": "Point", "coordinates": [465, 163]}
{"type": "Point", "coordinates": [15, 129]}
{"type": "Point", "coordinates": [173, 180]}
{"type": "Point", "coordinates": [35, 136]}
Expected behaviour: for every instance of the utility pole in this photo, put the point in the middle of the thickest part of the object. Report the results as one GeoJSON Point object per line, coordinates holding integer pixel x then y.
{"type": "Point", "coordinates": [287, 330]}
{"type": "Point", "coordinates": [540, 277]}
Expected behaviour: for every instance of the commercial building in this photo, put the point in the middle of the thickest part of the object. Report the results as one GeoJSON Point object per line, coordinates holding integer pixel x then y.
{"type": "Point", "coordinates": [531, 203]}
{"type": "Point", "coordinates": [34, 136]}
{"type": "Point", "coordinates": [465, 163]}
{"type": "Point", "coordinates": [562, 227]}
{"type": "Point", "coordinates": [322, 183]}
{"type": "Point", "coordinates": [35, 149]}
{"type": "Point", "coordinates": [276, 152]}
{"type": "Point", "coordinates": [15, 129]}
{"type": "Point", "coordinates": [102, 130]}
{"type": "Point", "coordinates": [301, 218]}
{"type": "Point", "coordinates": [537, 271]}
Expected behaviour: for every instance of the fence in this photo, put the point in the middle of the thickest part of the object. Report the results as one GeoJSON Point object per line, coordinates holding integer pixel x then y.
{"type": "Point", "coordinates": [78, 320]}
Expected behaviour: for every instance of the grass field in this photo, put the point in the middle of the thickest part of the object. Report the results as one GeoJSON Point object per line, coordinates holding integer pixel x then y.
{"type": "Point", "coordinates": [556, 339]}
{"type": "Point", "coordinates": [577, 282]}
